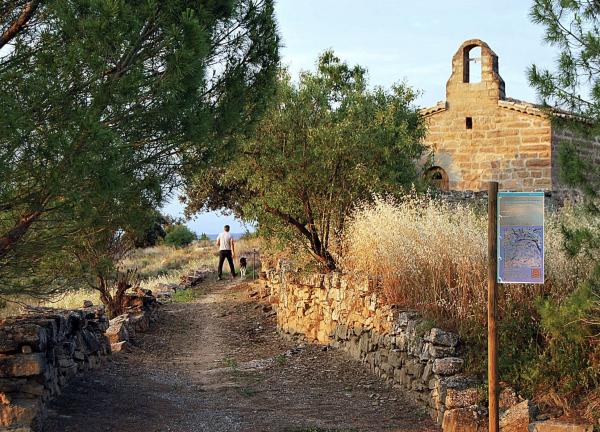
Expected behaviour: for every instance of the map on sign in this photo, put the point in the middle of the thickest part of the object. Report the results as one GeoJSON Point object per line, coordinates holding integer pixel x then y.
{"type": "Point", "coordinates": [521, 237]}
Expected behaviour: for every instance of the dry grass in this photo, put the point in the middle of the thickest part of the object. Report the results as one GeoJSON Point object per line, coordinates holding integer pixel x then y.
{"type": "Point", "coordinates": [155, 265]}
{"type": "Point", "coordinates": [431, 255]}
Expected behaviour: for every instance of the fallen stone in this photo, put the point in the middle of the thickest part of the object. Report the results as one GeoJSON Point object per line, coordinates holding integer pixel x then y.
{"type": "Point", "coordinates": [448, 365]}
{"type": "Point", "coordinates": [558, 426]}
{"type": "Point", "coordinates": [88, 304]}
{"type": "Point", "coordinates": [517, 418]}
{"type": "Point", "coordinates": [119, 346]}
{"type": "Point", "coordinates": [507, 398]}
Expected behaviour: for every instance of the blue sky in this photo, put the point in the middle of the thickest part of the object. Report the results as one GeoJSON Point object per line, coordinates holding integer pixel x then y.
{"type": "Point", "coordinates": [403, 41]}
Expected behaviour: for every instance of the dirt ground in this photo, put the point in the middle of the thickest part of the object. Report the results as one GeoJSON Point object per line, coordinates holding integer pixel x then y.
{"type": "Point", "coordinates": [217, 364]}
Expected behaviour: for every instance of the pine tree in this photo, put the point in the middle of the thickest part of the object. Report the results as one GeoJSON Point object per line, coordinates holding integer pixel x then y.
{"type": "Point", "coordinates": [573, 27]}
{"type": "Point", "coordinates": [102, 105]}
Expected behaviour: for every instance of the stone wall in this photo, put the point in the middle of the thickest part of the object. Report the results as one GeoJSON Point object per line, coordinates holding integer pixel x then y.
{"type": "Point", "coordinates": [347, 313]}
{"type": "Point", "coordinates": [395, 344]}
{"type": "Point", "coordinates": [39, 352]}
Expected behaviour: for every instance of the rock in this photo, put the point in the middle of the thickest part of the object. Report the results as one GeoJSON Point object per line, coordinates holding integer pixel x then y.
{"type": "Point", "coordinates": [26, 349]}
{"type": "Point", "coordinates": [13, 336]}
{"type": "Point", "coordinates": [440, 337]}
{"type": "Point", "coordinates": [448, 365]}
{"type": "Point", "coordinates": [117, 331]}
{"type": "Point", "coordinates": [19, 365]}
{"type": "Point", "coordinates": [457, 398]}
{"type": "Point", "coordinates": [463, 420]}
{"type": "Point", "coordinates": [558, 426]}
{"type": "Point", "coordinates": [140, 322]}
{"type": "Point", "coordinates": [119, 346]}
{"type": "Point", "coordinates": [517, 418]}
{"type": "Point", "coordinates": [19, 413]}
{"type": "Point", "coordinates": [88, 304]}
{"type": "Point", "coordinates": [403, 320]}
{"type": "Point", "coordinates": [440, 351]}
{"type": "Point", "coordinates": [507, 398]}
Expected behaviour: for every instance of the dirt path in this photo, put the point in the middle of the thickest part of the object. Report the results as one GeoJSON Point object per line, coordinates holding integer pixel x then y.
{"type": "Point", "coordinates": [216, 364]}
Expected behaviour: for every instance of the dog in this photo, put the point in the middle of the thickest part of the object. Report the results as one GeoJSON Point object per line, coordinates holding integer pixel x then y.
{"type": "Point", "coordinates": [243, 265]}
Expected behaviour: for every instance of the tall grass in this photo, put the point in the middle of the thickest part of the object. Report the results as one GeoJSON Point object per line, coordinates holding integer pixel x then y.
{"type": "Point", "coordinates": [431, 255]}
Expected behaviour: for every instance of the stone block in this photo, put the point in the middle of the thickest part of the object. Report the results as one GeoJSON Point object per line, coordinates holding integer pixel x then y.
{"type": "Point", "coordinates": [461, 398]}
{"type": "Point", "coordinates": [517, 418]}
{"type": "Point", "coordinates": [558, 426]}
{"type": "Point", "coordinates": [463, 420]}
{"type": "Point", "coordinates": [448, 366]}
{"type": "Point", "coordinates": [21, 365]}
{"type": "Point", "coordinates": [440, 337]}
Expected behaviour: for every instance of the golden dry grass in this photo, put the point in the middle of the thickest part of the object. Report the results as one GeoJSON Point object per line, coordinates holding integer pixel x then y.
{"type": "Point", "coordinates": [431, 255]}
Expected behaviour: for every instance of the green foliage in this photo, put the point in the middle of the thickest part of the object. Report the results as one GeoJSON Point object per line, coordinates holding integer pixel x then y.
{"type": "Point", "coordinates": [186, 296]}
{"type": "Point", "coordinates": [326, 142]}
{"type": "Point", "coordinates": [203, 237]}
{"type": "Point", "coordinates": [571, 326]}
{"type": "Point", "coordinates": [179, 235]}
{"type": "Point", "coordinates": [230, 362]}
{"type": "Point", "coordinates": [103, 105]}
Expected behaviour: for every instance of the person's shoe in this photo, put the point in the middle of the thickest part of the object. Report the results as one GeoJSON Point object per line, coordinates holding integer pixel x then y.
{"type": "Point", "coordinates": [219, 278]}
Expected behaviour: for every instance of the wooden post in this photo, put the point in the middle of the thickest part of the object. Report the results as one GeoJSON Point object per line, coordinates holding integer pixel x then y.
{"type": "Point", "coordinates": [492, 297]}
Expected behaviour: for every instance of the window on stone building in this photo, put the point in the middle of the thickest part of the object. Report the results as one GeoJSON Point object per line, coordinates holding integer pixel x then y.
{"type": "Point", "coordinates": [437, 177]}
{"type": "Point", "coordinates": [472, 65]}
{"type": "Point", "coordinates": [469, 123]}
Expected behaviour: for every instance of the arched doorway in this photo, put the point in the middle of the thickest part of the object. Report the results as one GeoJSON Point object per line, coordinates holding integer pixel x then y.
{"type": "Point", "coordinates": [437, 177]}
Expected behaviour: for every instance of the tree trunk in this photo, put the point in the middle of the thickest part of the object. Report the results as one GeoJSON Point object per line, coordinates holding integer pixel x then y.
{"type": "Point", "coordinates": [8, 240]}
{"type": "Point", "coordinates": [19, 23]}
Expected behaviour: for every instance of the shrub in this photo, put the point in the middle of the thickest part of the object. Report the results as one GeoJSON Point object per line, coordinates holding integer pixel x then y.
{"type": "Point", "coordinates": [179, 235]}
{"type": "Point", "coordinates": [430, 255]}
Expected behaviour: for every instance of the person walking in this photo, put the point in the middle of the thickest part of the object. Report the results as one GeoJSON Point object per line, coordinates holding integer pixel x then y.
{"type": "Point", "coordinates": [226, 247]}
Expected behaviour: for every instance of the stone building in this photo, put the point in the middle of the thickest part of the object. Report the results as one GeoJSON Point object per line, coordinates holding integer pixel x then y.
{"type": "Point", "coordinates": [479, 135]}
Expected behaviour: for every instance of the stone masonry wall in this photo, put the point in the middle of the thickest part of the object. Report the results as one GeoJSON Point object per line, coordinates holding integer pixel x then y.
{"type": "Point", "coordinates": [348, 314]}
{"type": "Point", "coordinates": [39, 353]}
{"type": "Point", "coordinates": [506, 140]}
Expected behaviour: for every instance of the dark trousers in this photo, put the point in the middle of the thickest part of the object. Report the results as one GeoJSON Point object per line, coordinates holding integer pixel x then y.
{"type": "Point", "coordinates": [222, 255]}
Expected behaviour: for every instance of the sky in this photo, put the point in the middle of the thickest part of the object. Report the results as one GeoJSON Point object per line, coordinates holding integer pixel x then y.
{"type": "Point", "coordinates": [403, 41]}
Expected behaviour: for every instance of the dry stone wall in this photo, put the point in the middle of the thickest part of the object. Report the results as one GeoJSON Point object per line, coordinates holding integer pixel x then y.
{"type": "Point", "coordinates": [39, 352]}
{"type": "Point", "coordinates": [347, 313]}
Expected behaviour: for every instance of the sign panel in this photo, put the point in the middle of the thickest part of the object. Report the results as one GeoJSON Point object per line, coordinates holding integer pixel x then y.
{"type": "Point", "coordinates": [521, 237]}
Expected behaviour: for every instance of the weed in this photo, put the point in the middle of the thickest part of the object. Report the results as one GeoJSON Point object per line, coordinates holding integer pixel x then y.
{"type": "Point", "coordinates": [281, 359]}
{"type": "Point", "coordinates": [230, 362]}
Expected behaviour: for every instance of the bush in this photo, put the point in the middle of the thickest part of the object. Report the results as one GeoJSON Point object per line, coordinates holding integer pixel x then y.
{"type": "Point", "coordinates": [432, 256]}
{"type": "Point", "coordinates": [179, 235]}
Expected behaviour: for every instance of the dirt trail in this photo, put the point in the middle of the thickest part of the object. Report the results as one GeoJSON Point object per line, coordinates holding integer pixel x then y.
{"type": "Point", "coordinates": [216, 364]}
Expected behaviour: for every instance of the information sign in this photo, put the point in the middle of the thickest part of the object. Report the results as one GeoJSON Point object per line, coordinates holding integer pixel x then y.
{"type": "Point", "coordinates": [521, 237]}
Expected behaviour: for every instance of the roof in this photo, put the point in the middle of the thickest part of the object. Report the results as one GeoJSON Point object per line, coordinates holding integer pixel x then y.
{"type": "Point", "coordinates": [510, 104]}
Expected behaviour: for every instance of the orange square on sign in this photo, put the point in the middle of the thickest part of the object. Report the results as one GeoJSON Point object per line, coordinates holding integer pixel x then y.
{"type": "Point", "coordinates": [536, 273]}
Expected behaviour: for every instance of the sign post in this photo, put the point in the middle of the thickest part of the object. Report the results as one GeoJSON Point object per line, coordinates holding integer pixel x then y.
{"type": "Point", "coordinates": [492, 297]}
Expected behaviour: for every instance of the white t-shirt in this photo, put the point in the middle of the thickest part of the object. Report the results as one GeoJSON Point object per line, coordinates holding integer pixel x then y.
{"type": "Point", "coordinates": [225, 240]}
